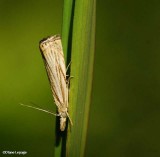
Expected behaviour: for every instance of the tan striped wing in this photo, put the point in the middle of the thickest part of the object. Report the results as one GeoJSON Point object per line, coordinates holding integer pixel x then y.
{"type": "Point", "coordinates": [52, 53]}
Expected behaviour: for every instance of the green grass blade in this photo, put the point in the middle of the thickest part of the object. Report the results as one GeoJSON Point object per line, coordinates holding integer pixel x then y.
{"type": "Point", "coordinates": [78, 39]}
{"type": "Point", "coordinates": [82, 56]}
{"type": "Point", "coordinates": [67, 24]}
{"type": "Point", "coordinates": [60, 146]}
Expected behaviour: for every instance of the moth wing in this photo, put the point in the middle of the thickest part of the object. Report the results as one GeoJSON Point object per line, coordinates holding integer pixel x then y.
{"type": "Point", "coordinates": [62, 70]}
{"type": "Point", "coordinates": [56, 70]}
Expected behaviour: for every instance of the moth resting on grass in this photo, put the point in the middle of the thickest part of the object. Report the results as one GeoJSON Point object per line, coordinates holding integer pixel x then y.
{"type": "Point", "coordinates": [52, 53]}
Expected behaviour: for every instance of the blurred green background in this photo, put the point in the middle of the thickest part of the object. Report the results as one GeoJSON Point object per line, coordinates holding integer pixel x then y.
{"type": "Point", "coordinates": [124, 119]}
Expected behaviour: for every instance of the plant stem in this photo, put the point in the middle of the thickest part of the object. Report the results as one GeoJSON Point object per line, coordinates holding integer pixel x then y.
{"type": "Point", "coordinates": [78, 39]}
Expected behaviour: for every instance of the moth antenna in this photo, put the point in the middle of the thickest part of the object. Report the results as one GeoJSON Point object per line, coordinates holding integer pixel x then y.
{"type": "Point", "coordinates": [40, 109]}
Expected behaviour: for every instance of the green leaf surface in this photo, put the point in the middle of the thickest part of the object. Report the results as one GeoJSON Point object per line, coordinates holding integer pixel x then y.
{"type": "Point", "coordinates": [78, 39]}
{"type": "Point", "coordinates": [82, 56]}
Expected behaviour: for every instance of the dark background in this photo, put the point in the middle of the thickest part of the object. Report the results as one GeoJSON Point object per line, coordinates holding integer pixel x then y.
{"type": "Point", "coordinates": [124, 119]}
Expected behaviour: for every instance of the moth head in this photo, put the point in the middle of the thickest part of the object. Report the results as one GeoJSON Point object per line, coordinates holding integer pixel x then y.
{"type": "Point", "coordinates": [63, 114]}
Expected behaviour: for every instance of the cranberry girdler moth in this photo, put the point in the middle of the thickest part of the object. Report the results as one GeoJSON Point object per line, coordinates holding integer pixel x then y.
{"type": "Point", "coordinates": [52, 53]}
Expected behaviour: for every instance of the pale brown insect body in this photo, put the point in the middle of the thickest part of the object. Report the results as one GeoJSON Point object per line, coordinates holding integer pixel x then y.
{"type": "Point", "coordinates": [52, 52]}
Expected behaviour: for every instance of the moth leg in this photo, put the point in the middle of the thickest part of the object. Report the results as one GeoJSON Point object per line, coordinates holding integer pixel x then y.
{"type": "Point", "coordinates": [69, 118]}
{"type": "Point", "coordinates": [68, 80]}
{"type": "Point", "coordinates": [68, 66]}
{"type": "Point", "coordinates": [67, 93]}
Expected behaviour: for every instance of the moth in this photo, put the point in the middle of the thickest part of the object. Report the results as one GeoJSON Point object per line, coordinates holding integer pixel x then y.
{"type": "Point", "coordinates": [52, 53]}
